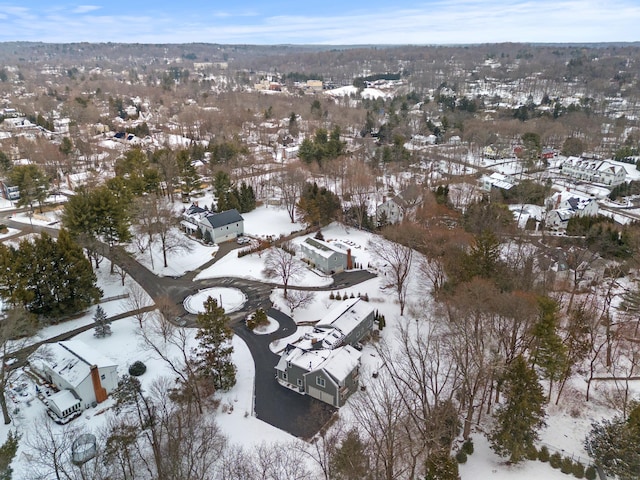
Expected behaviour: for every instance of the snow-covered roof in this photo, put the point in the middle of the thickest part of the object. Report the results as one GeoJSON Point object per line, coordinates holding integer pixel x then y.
{"type": "Point", "coordinates": [71, 360]}
{"type": "Point", "coordinates": [342, 362]}
{"type": "Point", "coordinates": [322, 248]}
{"type": "Point", "coordinates": [346, 316]}
{"type": "Point", "coordinates": [338, 363]}
{"type": "Point", "coordinates": [62, 400]}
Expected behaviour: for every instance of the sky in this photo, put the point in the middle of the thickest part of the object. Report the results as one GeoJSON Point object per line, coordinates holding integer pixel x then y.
{"type": "Point", "coordinates": [329, 22]}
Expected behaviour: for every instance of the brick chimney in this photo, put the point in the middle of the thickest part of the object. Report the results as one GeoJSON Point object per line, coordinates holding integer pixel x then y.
{"type": "Point", "coordinates": [101, 393]}
{"type": "Point", "coordinates": [349, 260]}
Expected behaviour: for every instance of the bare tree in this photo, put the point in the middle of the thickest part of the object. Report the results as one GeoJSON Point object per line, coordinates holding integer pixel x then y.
{"type": "Point", "coordinates": [291, 182]}
{"type": "Point", "coordinates": [397, 259]}
{"type": "Point", "coordinates": [50, 453]}
{"type": "Point", "coordinates": [157, 220]}
{"type": "Point", "coordinates": [15, 326]}
{"type": "Point", "coordinates": [282, 264]}
{"type": "Point", "coordinates": [172, 345]}
{"type": "Point", "coordinates": [137, 302]}
{"type": "Point", "coordinates": [381, 416]}
{"type": "Point", "coordinates": [299, 299]}
{"type": "Point", "coordinates": [426, 381]}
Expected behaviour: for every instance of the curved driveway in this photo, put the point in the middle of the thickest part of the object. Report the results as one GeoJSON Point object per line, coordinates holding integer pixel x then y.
{"type": "Point", "coordinates": [300, 415]}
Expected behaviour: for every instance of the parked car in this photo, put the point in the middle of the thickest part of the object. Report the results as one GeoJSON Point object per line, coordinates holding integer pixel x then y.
{"type": "Point", "coordinates": [243, 240]}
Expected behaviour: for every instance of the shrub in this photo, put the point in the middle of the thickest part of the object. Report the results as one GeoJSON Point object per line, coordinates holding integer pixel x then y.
{"type": "Point", "coordinates": [3, 228]}
{"type": "Point", "coordinates": [531, 453]}
{"type": "Point", "coordinates": [555, 460]}
{"type": "Point", "coordinates": [578, 470]}
{"type": "Point", "coordinates": [566, 466]}
{"type": "Point", "coordinates": [543, 454]}
{"type": "Point", "coordinates": [137, 368]}
{"type": "Point", "coordinates": [590, 473]}
{"type": "Point", "coordinates": [467, 446]}
{"type": "Point", "coordinates": [332, 296]}
{"type": "Point", "coordinates": [461, 457]}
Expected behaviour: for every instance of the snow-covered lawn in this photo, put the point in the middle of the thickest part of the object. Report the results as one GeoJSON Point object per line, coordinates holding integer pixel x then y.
{"type": "Point", "coordinates": [271, 221]}
{"type": "Point", "coordinates": [270, 327]}
{"type": "Point", "coordinates": [251, 267]}
{"type": "Point", "coordinates": [231, 299]}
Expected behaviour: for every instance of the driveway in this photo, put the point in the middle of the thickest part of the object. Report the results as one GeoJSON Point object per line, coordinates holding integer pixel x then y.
{"type": "Point", "coordinates": [300, 415]}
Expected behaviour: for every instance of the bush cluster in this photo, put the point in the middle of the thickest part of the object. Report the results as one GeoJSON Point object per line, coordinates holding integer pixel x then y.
{"type": "Point", "coordinates": [137, 368]}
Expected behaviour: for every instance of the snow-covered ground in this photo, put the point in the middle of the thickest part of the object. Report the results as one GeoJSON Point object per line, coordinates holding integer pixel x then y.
{"type": "Point", "coordinates": [231, 299]}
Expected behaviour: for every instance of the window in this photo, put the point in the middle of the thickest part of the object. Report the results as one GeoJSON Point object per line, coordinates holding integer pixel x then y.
{"type": "Point", "coordinates": [284, 375]}
{"type": "Point", "coordinates": [299, 382]}
{"type": "Point", "coordinates": [320, 382]}
{"type": "Point", "coordinates": [103, 376]}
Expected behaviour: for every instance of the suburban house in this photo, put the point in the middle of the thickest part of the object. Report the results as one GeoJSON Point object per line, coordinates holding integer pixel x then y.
{"type": "Point", "coordinates": [394, 209]}
{"type": "Point", "coordinates": [561, 206]}
{"type": "Point", "coordinates": [83, 377]}
{"type": "Point", "coordinates": [223, 226]}
{"type": "Point", "coordinates": [331, 376]}
{"type": "Point", "coordinates": [346, 323]}
{"type": "Point", "coordinates": [325, 364]}
{"type": "Point", "coordinates": [497, 180]}
{"type": "Point", "coordinates": [327, 257]}
{"type": "Point", "coordinates": [595, 171]}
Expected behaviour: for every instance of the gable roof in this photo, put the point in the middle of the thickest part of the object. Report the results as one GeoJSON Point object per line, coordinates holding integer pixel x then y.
{"type": "Point", "coordinates": [322, 248]}
{"type": "Point", "coordinates": [221, 219]}
{"type": "Point", "coordinates": [72, 360]}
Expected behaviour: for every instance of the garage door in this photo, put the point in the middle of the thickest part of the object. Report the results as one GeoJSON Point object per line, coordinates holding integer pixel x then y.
{"type": "Point", "coordinates": [320, 395]}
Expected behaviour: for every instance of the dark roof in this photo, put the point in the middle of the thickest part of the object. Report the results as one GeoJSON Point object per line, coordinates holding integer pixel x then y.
{"type": "Point", "coordinates": [224, 218]}
{"type": "Point", "coordinates": [194, 209]}
{"type": "Point", "coordinates": [119, 135]}
{"type": "Point", "coordinates": [573, 201]}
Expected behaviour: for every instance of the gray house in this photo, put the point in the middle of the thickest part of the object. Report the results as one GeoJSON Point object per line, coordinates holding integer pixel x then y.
{"type": "Point", "coordinates": [324, 364]}
{"type": "Point", "coordinates": [222, 226]}
{"type": "Point", "coordinates": [327, 257]}
{"type": "Point", "coordinates": [331, 376]}
{"type": "Point", "coordinates": [346, 323]}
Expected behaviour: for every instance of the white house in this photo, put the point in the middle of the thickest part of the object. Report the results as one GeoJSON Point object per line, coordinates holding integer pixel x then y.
{"type": "Point", "coordinates": [497, 180]}
{"type": "Point", "coordinates": [561, 206]}
{"type": "Point", "coordinates": [221, 227]}
{"type": "Point", "coordinates": [595, 171]}
{"type": "Point", "coordinates": [74, 367]}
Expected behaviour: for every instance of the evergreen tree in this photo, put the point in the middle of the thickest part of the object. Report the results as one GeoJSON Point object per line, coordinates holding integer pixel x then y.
{"type": "Point", "coordinates": [213, 355]}
{"type": "Point", "coordinates": [613, 444]}
{"type": "Point", "coordinates": [521, 415]}
{"type": "Point", "coordinates": [8, 451]}
{"type": "Point", "coordinates": [206, 238]}
{"type": "Point", "coordinates": [318, 206]}
{"type": "Point", "coordinates": [48, 277]}
{"type": "Point", "coordinates": [548, 352]}
{"type": "Point", "coordinates": [189, 179]}
{"type": "Point", "coordinates": [33, 184]}
{"type": "Point", "coordinates": [247, 198]}
{"type": "Point", "coordinates": [350, 461]}
{"type": "Point", "coordinates": [442, 466]}
{"type": "Point", "coordinates": [101, 323]}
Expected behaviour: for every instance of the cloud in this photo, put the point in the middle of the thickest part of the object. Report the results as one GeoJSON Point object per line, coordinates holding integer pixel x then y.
{"type": "Point", "coordinates": [436, 22]}
{"type": "Point", "coordinates": [86, 8]}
